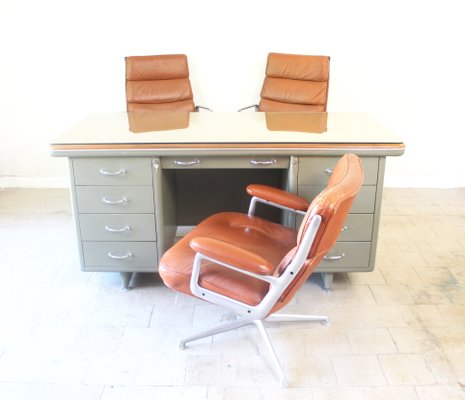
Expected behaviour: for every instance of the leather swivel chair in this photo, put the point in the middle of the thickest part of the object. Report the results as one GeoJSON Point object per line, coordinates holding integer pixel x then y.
{"type": "Point", "coordinates": [294, 83]}
{"type": "Point", "coordinates": [159, 84]}
{"type": "Point", "coordinates": [255, 267]}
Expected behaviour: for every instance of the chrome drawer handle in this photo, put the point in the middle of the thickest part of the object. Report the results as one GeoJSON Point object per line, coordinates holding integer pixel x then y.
{"type": "Point", "coordinates": [267, 162]}
{"type": "Point", "coordinates": [186, 163]}
{"type": "Point", "coordinates": [344, 228]}
{"type": "Point", "coordinates": [117, 230]}
{"type": "Point", "coordinates": [334, 258]}
{"type": "Point", "coordinates": [117, 257]}
{"type": "Point", "coordinates": [328, 171]}
{"type": "Point", "coordinates": [112, 173]}
{"type": "Point", "coordinates": [123, 200]}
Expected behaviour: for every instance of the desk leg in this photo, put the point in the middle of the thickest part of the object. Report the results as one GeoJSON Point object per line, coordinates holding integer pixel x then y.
{"type": "Point", "coordinates": [327, 278]}
{"type": "Point", "coordinates": [125, 279]}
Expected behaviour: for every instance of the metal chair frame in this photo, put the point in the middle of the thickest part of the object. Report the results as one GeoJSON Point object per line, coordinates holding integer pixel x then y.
{"type": "Point", "coordinates": [256, 315]}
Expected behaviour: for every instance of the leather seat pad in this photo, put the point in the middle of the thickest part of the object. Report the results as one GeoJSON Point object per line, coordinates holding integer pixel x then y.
{"type": "Point", "coordinates": [250, 233]}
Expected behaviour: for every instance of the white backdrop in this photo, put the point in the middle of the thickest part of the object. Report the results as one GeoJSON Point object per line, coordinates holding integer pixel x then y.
{"type": "Point", "coordinates": [402, 61]}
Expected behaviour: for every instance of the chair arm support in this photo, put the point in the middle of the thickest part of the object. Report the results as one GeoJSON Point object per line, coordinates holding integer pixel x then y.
{"type": "Point", "coordinates": [197, 108]}
{"type": "Point", "coordinates": [278, 196]}
{"type": "Point", "coordinates": [232, 255]}
{"type": "Point", "coordinates": [255, 106]}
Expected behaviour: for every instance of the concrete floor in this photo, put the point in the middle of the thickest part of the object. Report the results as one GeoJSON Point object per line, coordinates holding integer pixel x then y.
{"type": "Point", "coordinates": [396, 333]}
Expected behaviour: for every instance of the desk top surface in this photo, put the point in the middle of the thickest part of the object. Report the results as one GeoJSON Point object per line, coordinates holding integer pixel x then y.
{"type": "Point", "coordinates": [210, 131]}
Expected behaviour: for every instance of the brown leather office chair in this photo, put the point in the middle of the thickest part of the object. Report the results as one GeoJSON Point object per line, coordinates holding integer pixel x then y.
{"type": "Point", "coordinates": [255, 267]}
{"type": "Point", "coordinates": [159, 84]}
{"type": "Point", "coordinates": [294, 83]}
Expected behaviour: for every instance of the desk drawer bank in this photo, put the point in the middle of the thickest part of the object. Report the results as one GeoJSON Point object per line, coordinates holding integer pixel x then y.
{"type": "Point", "coordinates": [114, 210]}
{"type": "Point", "coordinates": [124, 191]}
{"type": "Point", "coordinates": [356, 246]}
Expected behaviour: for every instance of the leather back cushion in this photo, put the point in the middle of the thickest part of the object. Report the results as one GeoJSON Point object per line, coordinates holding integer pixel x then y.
{"type": "Point", "coordinates": [300, 67]}
{"type": "Point", "coordinates": [280, 106]}
{"type": "Point", "coordinates": [147, 68]}
{"type": "Point", "coordinates": [162, 91]}
{"type": "Point", "coordinates": [295, 83]}
{"type": "Point", "coordinates": [332, 204]}
{"type": "Point", "coordinates": [158, 80]}
{"type": "Point", "coordinates": [177, 106]}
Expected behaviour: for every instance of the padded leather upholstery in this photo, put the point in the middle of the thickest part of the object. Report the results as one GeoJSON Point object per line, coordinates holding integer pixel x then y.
{"type": "Point", "coordinates": [275, 243]}
{"type": "Point", "coordinates": [332, 204]}
{"type": "Point", "coordinates": [250, 233]}
{"type": "Point", "coordinates": [295, 83]}
{"type": "Point", "coordinates": [158, 83]}
{"type": "Point", "coordinates": [278, 196]}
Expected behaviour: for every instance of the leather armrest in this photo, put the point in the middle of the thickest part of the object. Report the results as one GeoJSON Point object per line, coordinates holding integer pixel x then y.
{"type": "Point", "coordinates": [232, 255]}
{"type": "Point", "coordinates": [278, 196]}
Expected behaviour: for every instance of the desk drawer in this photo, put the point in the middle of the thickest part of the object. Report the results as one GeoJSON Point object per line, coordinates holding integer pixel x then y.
{"type": "Point", "coordinates": [117, 227]}
{"type": "Point", "coordinates": [314, 170]}
{"type": "Point", "coordinates": [120, 255]}
{"type": "Point", "coordinates": [115, 199]}
{"type": "Point", "coordinates": [364, 202]}
{"type": "Point", "coordinates": [225, 162]}
{"type": "Point", "coordinates": [357, 228]}
{"type": "Point", "coordinates": [112, 171]}
{"type": "Point", "coordinates": [347, 256]}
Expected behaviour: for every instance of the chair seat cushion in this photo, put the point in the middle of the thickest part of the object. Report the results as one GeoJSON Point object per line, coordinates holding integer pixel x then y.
{"type": "Point", "coordinates": [271, 241]}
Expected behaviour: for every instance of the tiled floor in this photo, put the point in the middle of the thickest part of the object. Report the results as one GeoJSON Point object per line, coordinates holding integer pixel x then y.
{"type": "Point", "coordinates": [396, 333]}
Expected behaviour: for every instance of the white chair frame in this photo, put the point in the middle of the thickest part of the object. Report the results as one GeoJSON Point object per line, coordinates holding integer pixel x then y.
{"type": "Point", "coordinates": [256, 315]}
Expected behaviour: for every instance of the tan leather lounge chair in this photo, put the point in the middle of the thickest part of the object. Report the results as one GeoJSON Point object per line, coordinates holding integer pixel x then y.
{"type": "Point", "coordinates": [294, 83]}
{"type": "Point", "coordinates": [255, 267]}
{"type": "Point", "coordinates": [159, 84]}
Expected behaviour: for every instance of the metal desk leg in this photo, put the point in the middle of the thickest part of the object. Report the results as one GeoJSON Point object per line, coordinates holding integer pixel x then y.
{"type": "Point", "coordinates": [327, 278]}
{"type": "Point", "coordinates": [125, 279]}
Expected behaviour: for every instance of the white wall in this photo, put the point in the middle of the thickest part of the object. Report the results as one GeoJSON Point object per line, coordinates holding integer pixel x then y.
{"type": "Point", "coordinates": [402, 61]}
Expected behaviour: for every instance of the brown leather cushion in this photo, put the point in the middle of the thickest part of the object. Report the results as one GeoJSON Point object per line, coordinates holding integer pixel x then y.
{"type": "Point", "coordinates": [250, 233]}
{"type": "Point", "coordinates": [177, 106]}
{"type": "Point", "coordinates": [296, 66]}
{"type": "Point", "coordinates": [295, 83]}
{"type": "Point", "coordinates": [293, 91]}
{"type": "Point", "coordinates": [164, 91]}
{"type": "Point", "coordinates": [158, 83]}
{"type": "Point", "coordinates": [332, 204]}
{"type": "Point", "coordinates": [278, 106]}
{"type": "Point", "coordinates": [273, 241]}
{"type": "Point", "coordinates": [145, 68]}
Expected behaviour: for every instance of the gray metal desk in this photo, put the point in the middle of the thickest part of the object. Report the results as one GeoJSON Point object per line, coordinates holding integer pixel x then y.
{"type": "Point", "coordinates": [135, 179]}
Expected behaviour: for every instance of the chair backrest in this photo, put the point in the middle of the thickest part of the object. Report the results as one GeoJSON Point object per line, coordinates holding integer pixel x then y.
{"type": "Point", "coordinates": [158, 83]}
{"type": "Point", "coordinates": [295, 83]}
{"type": "Point", "coordinates": [332, 205]}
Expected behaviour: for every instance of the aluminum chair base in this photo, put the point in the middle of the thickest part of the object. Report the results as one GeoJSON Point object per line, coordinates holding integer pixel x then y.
{"type": "Point", "coordinates": [239, 323]}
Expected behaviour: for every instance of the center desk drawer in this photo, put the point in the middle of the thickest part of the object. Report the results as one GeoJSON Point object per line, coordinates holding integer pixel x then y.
{"type": "Point", "coordinates": [117, 227]}
{"type": "Point", "coordinates": [112, 171]}
{"type": "Point", "coordinates": [115, 199]}
{"type": "Point", "coordinates": [120, 255]}
{"type": "Point", "coordinates": [225, 162]}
